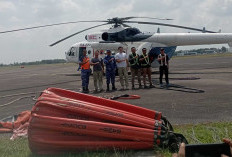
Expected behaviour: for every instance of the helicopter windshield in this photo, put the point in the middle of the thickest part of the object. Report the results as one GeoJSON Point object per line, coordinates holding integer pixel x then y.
{"type": "Point", "coordinates": [132, 31]}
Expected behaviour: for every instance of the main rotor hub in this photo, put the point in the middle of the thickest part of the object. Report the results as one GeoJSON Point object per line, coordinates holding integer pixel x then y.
{"type": "Point", "coordinates": [116, 21]}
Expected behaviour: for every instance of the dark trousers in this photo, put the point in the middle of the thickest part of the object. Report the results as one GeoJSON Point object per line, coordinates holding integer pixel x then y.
{"type": "Point", "coordinates": [110, 76]}
{"type": "Point", "coordinates": [163, 70]}
{"type": "Point", "coordinates": [85, 73]}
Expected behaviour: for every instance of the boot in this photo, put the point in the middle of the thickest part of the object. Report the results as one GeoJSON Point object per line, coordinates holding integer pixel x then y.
{"type": "Point", "coordinates": [83, 90]}
{"type": "Point", "coordinates": [145, 86]}
{"type": "Point", "coordinates": [133, 87]}
{"type": "Point", "coordinates": [87, 89]}
{"type": "Point", "coordinates": [152, 86]}
{"type": "Point", "coordinates": [108, 87]}
{"type": "Point", "coordinates": [113, 87]}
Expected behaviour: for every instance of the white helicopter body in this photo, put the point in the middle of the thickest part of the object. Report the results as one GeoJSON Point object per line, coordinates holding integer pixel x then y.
{"type": "Point", "coordinates": [132, 37]}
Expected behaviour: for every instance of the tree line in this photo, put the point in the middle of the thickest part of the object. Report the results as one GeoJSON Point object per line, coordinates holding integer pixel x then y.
{"type": "Point", "coordinates": [55, 61]}
{"type": "Point", "coordinates": [204, 50]}
{"type": "Point", "coordinates": [49, 61]}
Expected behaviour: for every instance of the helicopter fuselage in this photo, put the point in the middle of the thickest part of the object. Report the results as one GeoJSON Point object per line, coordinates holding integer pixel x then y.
{"type": "Point", "coordinates": [128, 37]}
{"type": "Point", "coordinates": [76, 51]}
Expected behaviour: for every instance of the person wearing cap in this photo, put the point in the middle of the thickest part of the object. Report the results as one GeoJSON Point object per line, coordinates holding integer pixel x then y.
{"type": "Point", "coordinates": [163, 60]}
{"type": "Point", "coordinates": [122, 64]}
{"type": "Point", "coordinates": [98, 68]}
{"type": "Point", "coordinates": [146, 67]}
{"type": "Point", "coordinates": [134, 67]}
{"type": "Point", "coordinates": [85, 71]}
{"type": "Point", "coordinates": [110, 64]}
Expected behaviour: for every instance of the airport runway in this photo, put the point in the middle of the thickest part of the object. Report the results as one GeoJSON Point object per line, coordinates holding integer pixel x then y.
{"type": "Point", "coordinates": [202, 92]}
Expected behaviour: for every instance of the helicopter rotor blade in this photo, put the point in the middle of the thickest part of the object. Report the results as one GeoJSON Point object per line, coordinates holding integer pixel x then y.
{"type": "Point", "coordinates": [49, 25]}
{"type": "Point", "coordinates": [144, 17]}
{"type": "Point", "coordinates": [77, 33]}
{"type": "Point", "coordinates": [168, 25]}
{"type": "Point", "coordinates": [125, 25]}
{"type": "Point", "coordinates": [95, 21]}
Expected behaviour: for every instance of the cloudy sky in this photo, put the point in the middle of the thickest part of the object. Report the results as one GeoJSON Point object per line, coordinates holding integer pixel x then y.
{"type": "Point", "coordinates": [32, 45]}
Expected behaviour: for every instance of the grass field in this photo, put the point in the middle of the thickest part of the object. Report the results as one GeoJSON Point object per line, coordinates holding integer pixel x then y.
{"type": "Point", "coordinates": [201, 133]}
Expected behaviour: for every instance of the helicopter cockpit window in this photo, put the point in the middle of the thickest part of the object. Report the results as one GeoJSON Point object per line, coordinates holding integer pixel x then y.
{"type": "Point", "coordinates": [72, 51]}
{"type": "Point", "coordinates": [132, 31]}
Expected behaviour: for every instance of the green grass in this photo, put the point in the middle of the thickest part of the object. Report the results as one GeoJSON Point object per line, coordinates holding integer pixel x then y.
{"type": "Point", "coordinates": [206, 133]}
{"type": "Point", "coordinates": [200, 133]}
{"type": "Point", "coordinates": [14, 148]}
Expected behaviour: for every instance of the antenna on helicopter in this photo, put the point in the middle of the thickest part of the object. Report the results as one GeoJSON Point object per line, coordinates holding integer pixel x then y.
{"type": "Point", "coordinates": [203, 30]}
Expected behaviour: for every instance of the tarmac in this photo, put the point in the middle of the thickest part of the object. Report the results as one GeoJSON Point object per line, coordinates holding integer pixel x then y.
{"type": "Point", "coordinates": [200, 92]}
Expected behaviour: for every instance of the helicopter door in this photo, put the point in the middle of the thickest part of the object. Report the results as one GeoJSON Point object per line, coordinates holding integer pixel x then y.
{"type": "Point", "coordinates": [89, 52]}
{"type": "Point", "coordinates": [81, 52]}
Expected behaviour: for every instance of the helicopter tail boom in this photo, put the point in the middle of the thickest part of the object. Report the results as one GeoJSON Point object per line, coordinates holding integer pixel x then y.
{"type": "Point", "coordinates": [182, 39]}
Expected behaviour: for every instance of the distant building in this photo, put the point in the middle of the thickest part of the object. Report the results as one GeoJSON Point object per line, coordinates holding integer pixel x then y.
{"type": "Point", "coordinates": [230, 50]}
{"type": "Point", "coordinates": [203, 51]}
{"type": "Point", "coordinates": [180, 54]}
{"type": "Point", "coordinates": [185, 53]}
{"type": "Point", "coordinates": [191, 53]}
{"type": "Point", "coordinates": [210, 51]}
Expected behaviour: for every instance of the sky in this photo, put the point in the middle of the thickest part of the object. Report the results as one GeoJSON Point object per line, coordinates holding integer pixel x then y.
{"type": "Point", "coordinates": [33, 45]}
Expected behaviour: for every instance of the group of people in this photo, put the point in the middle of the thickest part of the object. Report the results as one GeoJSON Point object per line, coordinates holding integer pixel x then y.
{"type": "Point", "coordinates": [139, 65]}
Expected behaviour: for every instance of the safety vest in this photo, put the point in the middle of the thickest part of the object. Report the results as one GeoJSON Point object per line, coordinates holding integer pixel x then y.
{"type": "Point", "coordinates": [146, 60]}
{"type": "Point", "coordinates": [87, 64]}
{"type": "Point", "coordinates": [165, 60]}
{"type": "Point", "coordinates": [136, 60]}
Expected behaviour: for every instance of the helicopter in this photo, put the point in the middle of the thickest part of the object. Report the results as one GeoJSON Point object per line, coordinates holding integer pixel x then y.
{"type": "Point", "coordinates": [122, 34]}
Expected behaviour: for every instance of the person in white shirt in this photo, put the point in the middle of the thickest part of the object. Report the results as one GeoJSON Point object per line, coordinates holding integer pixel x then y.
{"type": "Point", "coordinates": [101, 54]}
{"type": "Point", "coordinates": [122, 64]}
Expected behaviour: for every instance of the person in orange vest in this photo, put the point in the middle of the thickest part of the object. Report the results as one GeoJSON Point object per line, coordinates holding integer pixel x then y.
{"type": "Point", "coordinates": [85, 71]}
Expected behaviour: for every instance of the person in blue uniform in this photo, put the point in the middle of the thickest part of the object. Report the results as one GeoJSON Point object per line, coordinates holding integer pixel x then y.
{"type": "Point", "coordinates": [110, 64]}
